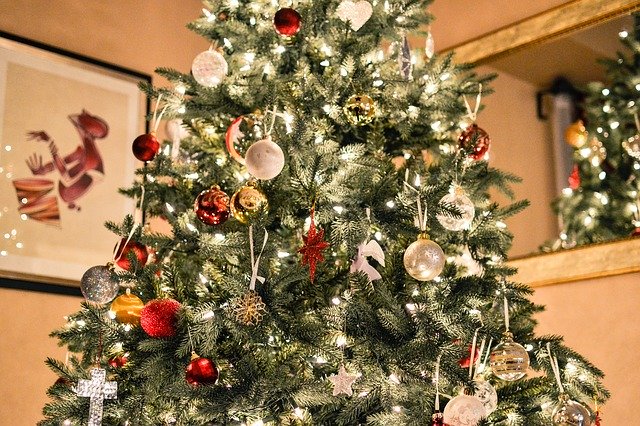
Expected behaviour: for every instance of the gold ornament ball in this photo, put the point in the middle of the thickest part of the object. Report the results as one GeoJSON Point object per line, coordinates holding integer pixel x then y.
{"type": "Point", "coordinates": [509, 360]}
{"type": "Point", "coordinates": [127, 308]}
{"type": "Point", "coordinates": [576, 134]}
{"type": "Point", "coordinates": [360, 110]}
{"type": "Point", "coordinates": [248, 204]}
{"type": "Point", "coordinates": [424, 259]}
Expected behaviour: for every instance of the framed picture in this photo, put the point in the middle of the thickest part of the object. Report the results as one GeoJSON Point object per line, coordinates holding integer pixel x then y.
{"type": "Point", "coordinates": [66, 127]}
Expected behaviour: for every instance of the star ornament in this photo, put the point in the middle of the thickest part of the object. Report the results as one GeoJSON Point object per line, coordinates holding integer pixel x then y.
{"type": "Point", "coordinates": [342, 382]}
{"type": "Point", "coordinates": [312, 248]}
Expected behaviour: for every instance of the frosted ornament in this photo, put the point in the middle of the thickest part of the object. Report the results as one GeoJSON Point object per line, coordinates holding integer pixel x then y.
{"type": "Point", "coordinates": [98, 284]}
{"type": "Point", "coordinates": [570, 413]}
{"type": "Point", "coordinates": [175, 130]}
{"type": "Point", "coordinates": [632, 146]}
{"type": "Point", "coordinates": [355, 13]}
{"type": "Point", "coordinates": [209, 68]}
{"type": "Point", "coordinates": [487, 394]}
{"type": "Point", "coordinates": [509, 360]}
{"type": "Point", "coordinates": [458, 199]}
{"type": "Point", "coordinates": [464, 410]}
{"type": "Point", "coordinates": [424, 259]}
{"type": "Point", "coordinates": [264, 159]}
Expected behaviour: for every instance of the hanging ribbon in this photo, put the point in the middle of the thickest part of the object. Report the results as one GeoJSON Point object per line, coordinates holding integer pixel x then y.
{"type": "Point", "coordinates": [473, 114]}
{"type": "Point", "coordinates": [506, 313]}
{"type": "Point", "coordinates": [256, 263]}
{"type": "Point", "coordinates": [554, 366]}
{"type": "Point", "coordinates": [422, 218]}
{"type": "Point", "coordinates": [437, 379]}
{"type": "Point", "coordinates": [137, 221]}
{"type": "Point", "coordinates": [472, 359]}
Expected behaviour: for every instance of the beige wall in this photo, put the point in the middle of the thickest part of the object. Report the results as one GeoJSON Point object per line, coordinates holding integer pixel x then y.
{"type": "Point", "coordinates": [145, 34]}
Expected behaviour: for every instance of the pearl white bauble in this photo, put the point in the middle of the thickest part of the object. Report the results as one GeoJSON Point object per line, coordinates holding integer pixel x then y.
{"type": "Point", "coordinates": [424, 259]}
{"type": "Point", "coordinates": [464, 410]}
{"type": "Point", "coordinates": [264, 159]}
{"type": "Point", "coordinates": [209, 68]}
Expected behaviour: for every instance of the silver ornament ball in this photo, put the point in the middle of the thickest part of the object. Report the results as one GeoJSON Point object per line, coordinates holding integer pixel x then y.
{"type": "Point", "coordinates": [570, 413]}
{"type": "Point", "coordinates": [424, 259]}
{"type": "Point", "coordinates": [509, 360]}
{"type": "Point", "coordinates": [98, 284]}
{"type": "Point", "coordinates": [467, 211]}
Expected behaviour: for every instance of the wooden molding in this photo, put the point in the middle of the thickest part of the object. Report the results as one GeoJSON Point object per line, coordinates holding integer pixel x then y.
{"type": "Point", "coordinates": [553, 23]}
{"type": "Point", "coordinates": [580, 263]}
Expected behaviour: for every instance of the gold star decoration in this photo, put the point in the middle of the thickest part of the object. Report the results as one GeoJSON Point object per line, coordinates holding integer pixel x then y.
{"type": "Point", "coordinates": [342, 382]}
{"type": "Point", "coordinates": [312, 248]}
{"type": "Point", "coordinates": [249, 308]}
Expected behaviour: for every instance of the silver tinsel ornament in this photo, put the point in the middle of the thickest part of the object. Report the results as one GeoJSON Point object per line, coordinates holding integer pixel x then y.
{"type": "Point", "coordinates": [98, 284]}
{"type": "Point", "coordinates": [97, 389]}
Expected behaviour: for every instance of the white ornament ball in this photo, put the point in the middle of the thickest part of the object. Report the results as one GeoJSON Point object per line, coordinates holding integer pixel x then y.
{"type": "Point", "coordinates": [487, 394]}
{"type": "Point", "coordinates": [464, 410]}
{"type": "Point", "coordinates": [264, 159]}
{"type": "Point", "coordinates": [570, 413]}
{"type": "Point", "coordinates": [509, 360]}
{"type": "Point", "coordinates": [98, 284]}
{"type": "Point", "coordinates": [467, 211]}
{"type": "Point", "coordinates": [175, 130]}
{"type": "Point", "coordinates": [424, 259]}
{"type": "Point", "coordinates": [209, 68]}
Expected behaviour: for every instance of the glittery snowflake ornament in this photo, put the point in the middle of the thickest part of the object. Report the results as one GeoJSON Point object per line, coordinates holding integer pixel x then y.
{"type": "Point", "coordinates": [342, 382]}
{"type": "Point", "coordinates": [97, 390]}
{"type": "Point", "coordinates": [249, 308]}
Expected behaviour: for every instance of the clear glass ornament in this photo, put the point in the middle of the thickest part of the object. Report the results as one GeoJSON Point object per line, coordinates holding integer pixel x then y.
{"type": "Point", "coordinates": [487, 394]}
{"type": "Point", "coordinates": [98, 284]}
{"type": "Point", "coordinates": [570, 413]}
{"type": "Point", "coordinates": [464, 410]}
{"type": "Point", "coordinates": [632, 146]}
{"type": "Point", "coordinates": [460, 201]}
{"type": "Point", "coordinates": [509, 360]}
{"type": "Point", "coordinates": [424, 259]}
{"type": "Point", "coordinates": [209, 68]}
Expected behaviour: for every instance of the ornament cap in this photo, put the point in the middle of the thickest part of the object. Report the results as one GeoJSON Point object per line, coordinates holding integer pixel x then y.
{"type": "Point", "coordinates": [423, 235]}
{"type": "Point", "coordinates": [507, 336]}
{"type": "Point", "coordinates": [194, 355]}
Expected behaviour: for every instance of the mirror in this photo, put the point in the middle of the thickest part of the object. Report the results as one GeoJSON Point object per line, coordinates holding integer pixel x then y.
{"type": "Point", "coordinates": [528, 56]}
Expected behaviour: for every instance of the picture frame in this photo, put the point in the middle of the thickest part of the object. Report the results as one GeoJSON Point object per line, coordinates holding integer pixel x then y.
{"type": "Point", "coordinates": [67, 122]}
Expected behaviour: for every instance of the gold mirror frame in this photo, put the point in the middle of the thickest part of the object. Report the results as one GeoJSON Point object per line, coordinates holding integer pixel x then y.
{"type": "Point", "coordinates": [586, 262]}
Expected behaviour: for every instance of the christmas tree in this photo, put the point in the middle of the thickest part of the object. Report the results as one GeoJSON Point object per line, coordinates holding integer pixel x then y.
{"type": "Point", "coordinates": [334, 255]}
{"type": "Point", "coordinates": [602, 201]}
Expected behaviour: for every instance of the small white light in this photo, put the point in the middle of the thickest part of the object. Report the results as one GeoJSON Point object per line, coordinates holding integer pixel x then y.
{"type": "Point", "coordinates": [327, 108]}
{"type": "Point", "coordinates": [280, 49]}
{"type": "Point", "coordinates": [81, 323]}
{"type": "Point", "coordinates": [111, 314]}
{"type": "Point", "coordinates": [431, 88]}
{"type": "Point", "coordinates": [411, 307]}
{"type": "Point", "coordinates": [599, 130]}
{"type": "Point", "coordinates": [415, 292]}
{"type": "Point", "coordinates": [623, 34]}
{"type": "Point", "coordinates": [391, 204]}
{"type": "Point", "coordinates": [298, 412]}
{"type": "Point", "coordinates": [378, 235]}
{"type": "Point", "coordinates": [23, 216]}
{"type": "Point", "coordinates": [500, 224]}
{"type": "Point", "coordinates": [606, 92]}
{"type": "Point", "coordinates": [320, 360]}
{"type": "Point", "coordinates": [341, 341]}
{"type": "Point", "coordinates": [336, 301]}
{"type": "Point", "coordinates": [325, 63]}
{"type": "Point", "coordinates": [445, 76]}
{"type": "Point", "coordinates": [567, 192]}
{"type": "Point", "coordinates": [378, 83]}
{"type": "Point", "coordinates": [588, 220]}
{"type": "Point", "coordinates": [397, 409]}
{"type": "Point", "coordinates": [614, 125]}
{"type": "Point", "coordinates": [181, 88]}
{"type": "Point", "coordinates": [67, 422]}
{"type": "Point", "coordinates": [602, 175]}
{"type": "Point", "coordinates": [19, 245]}
{"type": "Point", "coordinates": [7, 148]}
{"type": "Point", "coordinates": [436, 125]}
{"type": "Point", "coordinates": [208, 315]}
{"type": "Point", "coordinates": [394, 379]}
{"type": "Point", "coordinates": [344, 72]}
{"type": "Point", "coordinates": [338, 209]}
{"type": "Point", "coordinates": [191, 228]}
{"type": "Point", "coordinates": [528, 347]}
{"type": "Point", "coordinates": [257, 423]}
{"type": "Point", "coordinates": [3, 253]}
{"type": "Point", "coordinates": [606, 108]}
{"type": "Point", "coordinates": [127, 327]}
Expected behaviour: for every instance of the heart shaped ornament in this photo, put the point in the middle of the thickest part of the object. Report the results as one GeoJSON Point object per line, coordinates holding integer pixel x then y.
{"type": "Point", "coordinates": [356, 13]}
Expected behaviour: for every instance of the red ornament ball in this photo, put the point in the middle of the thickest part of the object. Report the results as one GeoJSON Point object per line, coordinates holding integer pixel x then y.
{"type": "Point", "coordinates": [475, 140]}
{"type": "Point", "coordinates": [212, 206]}
{"type": "Point", "coordinates": [437, 419]}
{"type": "Point", "coordinates": [287, 22]}
{"type": "Point", "coordinates": [124, 248]}
{"type": "Point", "coordinates": [201, 371]}
{"type": "Point", "coordinates": [118, 361]}
{"type": "Point", "coordinates": [158, 317]}
{"type": "Point", "coordinates": [145, 147]}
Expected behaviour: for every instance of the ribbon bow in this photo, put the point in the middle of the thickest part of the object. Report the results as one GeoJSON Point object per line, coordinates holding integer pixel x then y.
{"type": "Point", "coordinates": [360, 263]}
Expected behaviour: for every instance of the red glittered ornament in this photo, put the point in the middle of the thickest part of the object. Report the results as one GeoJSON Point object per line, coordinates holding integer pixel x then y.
{"type": "Point", "coordinates": [158, 317]}
{"type": "Point", "coordinates": [212, 206]}
{"type": "Point", "coordinates": [314, 244]}
{"type": "Point", "coordinates": [145, 147]}
{"type": "Point", "coordinates": [201, 371]}
{"type": "Point", "coordinates": [123, 250]}
{"type": "Point", "coordinates": [476, 141]}
{"type": "Point", "coordinates": [287, 22]}
{"type": "Point", "coordinates": [574, 178]}
{"type": "Point", "coordinates": [118, 361]}
{"type": "Point", "coordinates": [437, 419]}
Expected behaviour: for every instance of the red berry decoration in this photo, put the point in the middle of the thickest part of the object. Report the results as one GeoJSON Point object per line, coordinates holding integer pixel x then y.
{"type": "Point", "coordinates": [476, 141]}
{"type": "Point", "coordinates": [201, 371]}
{"type": "Point", "coordinates": [287, 22]}
{"type": "Point", "coordinates": [158, 317]}
{"type": "Point", "coordinates": [145, 147]}
{"type": "Point", "coordinates": [123, 249]}
{"type": "Point", "coordinates": [212, 206]}
{"type": "Point", "coordinates": [118, 361]}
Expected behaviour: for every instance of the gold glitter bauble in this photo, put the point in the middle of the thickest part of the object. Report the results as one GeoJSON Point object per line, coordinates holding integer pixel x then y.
{"type": "Point", "coordinates": [249, 308]}
{"type": "Point", "coordinates": [360, 110]}
{"type": "Point", "coordinates": [248, 204]}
